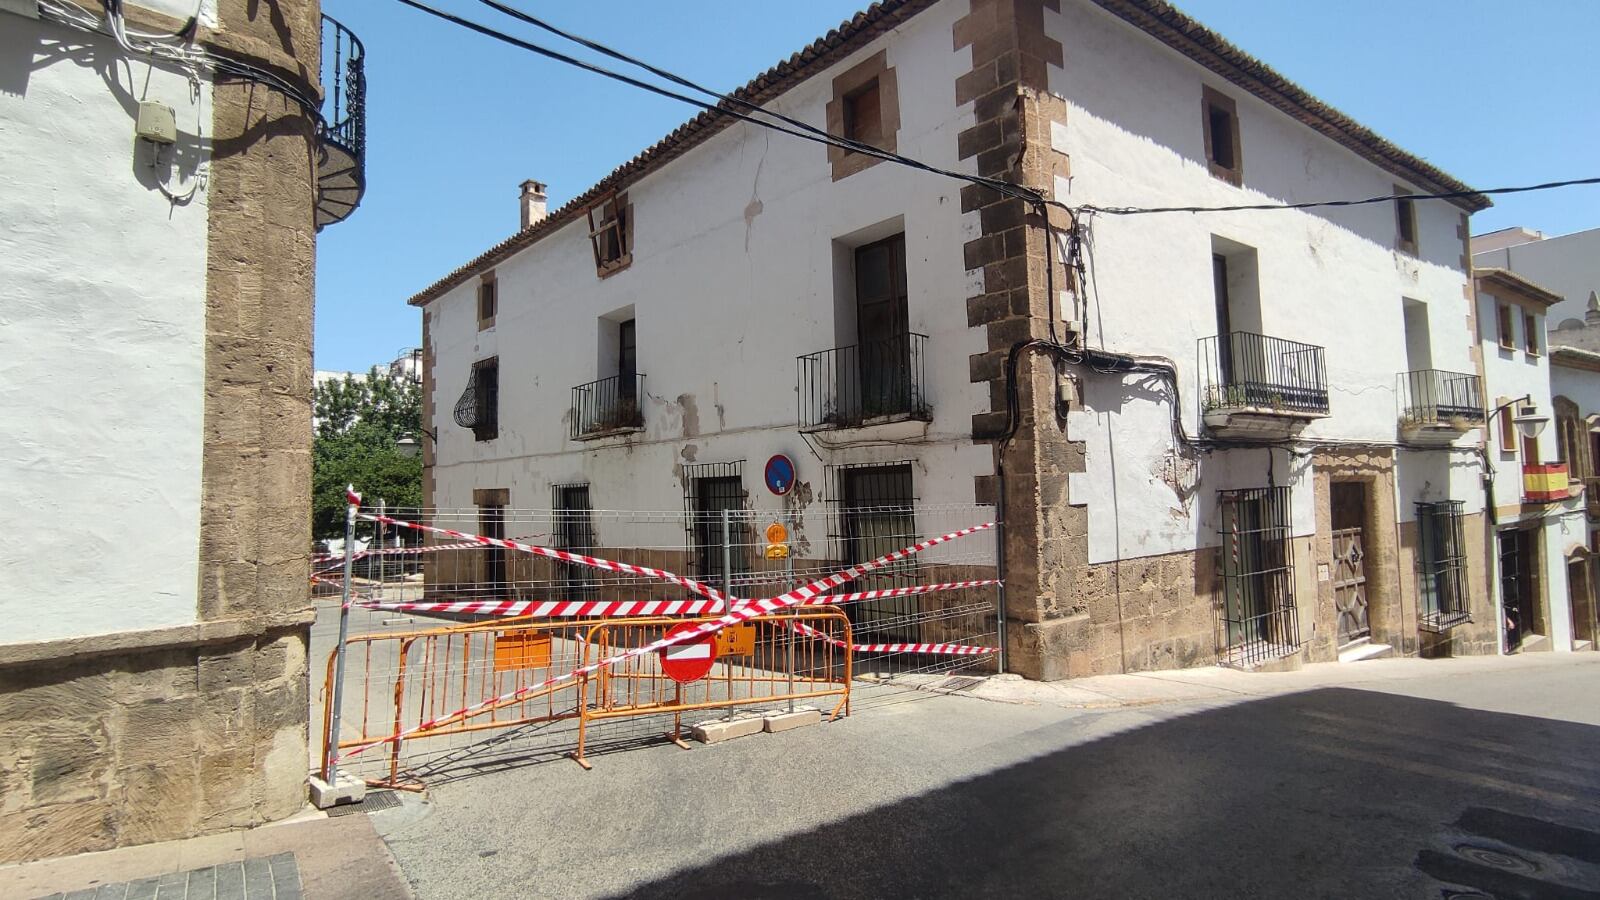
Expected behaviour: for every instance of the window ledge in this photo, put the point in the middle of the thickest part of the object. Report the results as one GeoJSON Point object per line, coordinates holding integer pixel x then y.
{"type": "Point", "coordinates": [609, 433]}
{"type": "Point", "coordinates": [898, 426]}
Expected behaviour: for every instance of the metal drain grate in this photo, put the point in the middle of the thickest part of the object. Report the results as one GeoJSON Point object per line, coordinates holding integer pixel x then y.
{"type": "Point", "coordinates": [374, 802]}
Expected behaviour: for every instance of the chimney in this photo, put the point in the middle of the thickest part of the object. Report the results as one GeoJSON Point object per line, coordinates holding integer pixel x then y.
{"type": "Point", "coordinates": [532, 203]}
{"type": "Point", "coordinates": [1591, 316]}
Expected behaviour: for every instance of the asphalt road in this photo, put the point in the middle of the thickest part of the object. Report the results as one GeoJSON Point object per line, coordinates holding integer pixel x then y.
{"type": "Point", "coordinates": [1451, 785]}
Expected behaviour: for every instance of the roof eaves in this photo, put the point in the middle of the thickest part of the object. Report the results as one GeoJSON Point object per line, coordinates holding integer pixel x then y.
{"type": "Point", "coordinates": [1522, 287]}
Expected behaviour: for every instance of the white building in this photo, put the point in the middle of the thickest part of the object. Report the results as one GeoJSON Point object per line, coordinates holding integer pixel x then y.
{"type": "Point", "coordinates": [159, 239]}
{"type": "Point", "coordinates": [1304, 486]}
{"type": "Point", "coordinates": [1567, 264]}
{"type": "Point", "coordinates": [1539, 522]}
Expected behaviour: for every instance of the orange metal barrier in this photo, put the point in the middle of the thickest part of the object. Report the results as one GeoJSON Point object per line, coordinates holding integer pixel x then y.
{"type": "Point", "coordinates": [763, 661]}
{"type": "Point", "coordinates": [418, 681]}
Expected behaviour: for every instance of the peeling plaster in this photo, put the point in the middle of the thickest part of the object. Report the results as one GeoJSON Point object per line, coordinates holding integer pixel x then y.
{"type": "Point", "coordinates": [691, 415]}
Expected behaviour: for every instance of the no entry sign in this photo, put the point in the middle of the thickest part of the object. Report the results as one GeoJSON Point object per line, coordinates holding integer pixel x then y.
{"type": "Point", "coordinates": [690, 660]}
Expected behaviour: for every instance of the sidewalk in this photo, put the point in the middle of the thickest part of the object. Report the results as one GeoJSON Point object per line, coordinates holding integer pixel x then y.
{"type": "Point", "coordinates": [1217, 683]}
{"type": "Point", "coordinates": [314, 857]}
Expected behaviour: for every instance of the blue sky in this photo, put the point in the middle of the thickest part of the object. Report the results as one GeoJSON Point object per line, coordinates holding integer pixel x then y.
{"type": "Point", "coordinates": [1493, 93]}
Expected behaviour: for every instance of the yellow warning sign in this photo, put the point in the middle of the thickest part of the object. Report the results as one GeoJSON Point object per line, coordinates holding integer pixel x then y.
{"type": "Point", "coordinates": [736, 640]}
{"type": "Point", "coordinates": [777, 551]}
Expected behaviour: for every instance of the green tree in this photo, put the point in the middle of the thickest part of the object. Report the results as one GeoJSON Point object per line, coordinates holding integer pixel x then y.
{"type": "Point", "coordinates": [358, 424]}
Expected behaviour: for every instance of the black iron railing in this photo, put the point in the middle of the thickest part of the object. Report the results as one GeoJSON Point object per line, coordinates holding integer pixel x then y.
{"type": "Point", "coordinates": [1441, 566]}
{"type": "Point", "coordinates": [344, 86]}
{"type": "Point", "coordinates": [1434, 397]}
{"type": "Point", "coordinates": [606, 405]}
{"type": "Point", "coordinates": [342, 131]}
{"type": "Point", "coordinates": [850, 386]}
{"type": "Point", "coordinates": [1243, 370]}
{"type": "Point", "coordinates": [1257, 617]}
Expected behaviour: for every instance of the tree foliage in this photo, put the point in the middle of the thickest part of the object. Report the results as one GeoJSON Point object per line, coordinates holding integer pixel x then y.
{"type": "Point", "coordinates": [358, 424]}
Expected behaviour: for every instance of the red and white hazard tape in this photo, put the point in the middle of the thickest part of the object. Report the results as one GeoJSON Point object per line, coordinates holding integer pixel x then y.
{"type": "Point", "coordinates": [603, 608]}
{"type": "Point", "coordinates": [594, 562]}
{"type": "Point", "coordinates": [394, 551]}
{"type": "Point", "coordinates": [749, 611]}
{"type": "Point", "coordinates": [934, 649]}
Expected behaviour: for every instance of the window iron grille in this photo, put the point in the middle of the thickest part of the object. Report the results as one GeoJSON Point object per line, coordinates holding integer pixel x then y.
{"type": "Point", "coordinates": [574, 530]}
{"type": "Point", "coordinates": [1258, 619]}
{"type": "Point", "coordinates": [1441, 566]}
{"type": "Point", "coordinates": [708, 489]}
{"type": "Point", "coordinates": [875, 513]}
{"type": "Point", "coordinates": [478, 408]}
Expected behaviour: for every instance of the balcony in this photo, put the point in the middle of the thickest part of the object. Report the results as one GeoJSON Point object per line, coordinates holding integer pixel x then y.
{"type": "Point", "coordinates": [1545, 483]}
{"type": "Point", "coordinates": [1591, 494]}
{"type": "Point", "coordinates": [1254, 386]}
{"type": "Point", "coordinates": [1437, 407]}
{"type": "Point", "coordinates": [342, 132]}
{"type": "Point", "coordinates": [865, 384]}
{"type": "Point", "coordinates": [606, 407]}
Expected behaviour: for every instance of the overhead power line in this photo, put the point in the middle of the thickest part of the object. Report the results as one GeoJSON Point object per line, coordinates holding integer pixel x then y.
{"type": "Point", "coordinates": [1247, 207]}
{"type": "Point", "coordinates": [806, 132]}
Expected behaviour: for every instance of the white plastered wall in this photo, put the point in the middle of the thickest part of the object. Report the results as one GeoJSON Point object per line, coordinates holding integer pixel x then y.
{"type": "Point", "coordinates": [1568, 264]}
{"type": "Point", "coordinates": [1328, 277]}
{"type": "Point", "coordinates": [732, 278]}
{"type": "Point", "coordinates": [101, 343]}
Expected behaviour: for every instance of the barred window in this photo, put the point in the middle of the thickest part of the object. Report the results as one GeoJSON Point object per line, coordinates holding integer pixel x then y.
{"type": "Point", "coordinates": [875, 513]}
{"type": "Point", "coordinates": [574, 531]}
{"type": "Point", "coordinates": [1259, 620]}
{"type": "Point", "coordinates": [479, 405]}
{"type": "Point", "coordinates": [1441, 565]}
{"type": "Point", "coordinates": [708, 489]}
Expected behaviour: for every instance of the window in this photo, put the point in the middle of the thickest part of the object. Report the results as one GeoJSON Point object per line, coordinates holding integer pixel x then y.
{"type": "Point", "coordinates": [627, 361]}
{"type": "Point", "coordinates": [1405, 213]}
{"type": "Point", "coordinates": [877, 515]}
{"type": "Point", "coordinates": [1441, 565]}
{"type": "Point", "coordinates": [1530, 333]}
{"type": "Point", "coordinates": [708, 489]}
{"type": "Point", "coordinates": [1221, 123]}
{"type": "Point", "coordinates": [491, 503]}
{"type": "Point", "coordinates": [574, 531]}
{"type": "Point", "coordinates": [479, 406]}
{"type": "Point", "coordinates": [488, 301]}
{"type": "Point", "coordinates": [611, 234]}
{"type": "Point", "coordinates": [863, 114]}
{"type": "Point", "coordinates": [1508, 429]}
{"type": "Point", "coordinates": [1508, 340]}
{"type": "Point", "coordinates": [864, 108]}
{"type": "Point", "coordinates": [1259, 619]}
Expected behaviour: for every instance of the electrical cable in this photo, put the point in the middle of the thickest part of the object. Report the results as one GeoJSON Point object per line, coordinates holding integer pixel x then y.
{"type": "Point", "coordinates": [818, 137]}
{"type": "Point", "coordinates": [1386, 198]}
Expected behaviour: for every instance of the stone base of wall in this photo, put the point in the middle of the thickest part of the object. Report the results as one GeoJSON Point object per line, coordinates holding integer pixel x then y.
{"type": "Point", "coordinates": [131, 747]}
{"type": "Point", "coordinates": [1139, 615]}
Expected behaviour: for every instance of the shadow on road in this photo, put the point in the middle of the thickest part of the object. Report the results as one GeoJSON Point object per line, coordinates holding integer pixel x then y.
{"type": "Point", "coordinates": [1329, 793]}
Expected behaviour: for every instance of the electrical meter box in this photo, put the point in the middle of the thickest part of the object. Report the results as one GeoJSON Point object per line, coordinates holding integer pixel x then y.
{"type": "Point", "coordinates": [156, 123]}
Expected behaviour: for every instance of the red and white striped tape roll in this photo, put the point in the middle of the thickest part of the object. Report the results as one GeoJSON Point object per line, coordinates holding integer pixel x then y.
{"type": "Point", "coordinates": [750, 611]}
{"type": "Point", "coordinates": [602, 608]}
{"type": "Point", "coordinates": [594, 562]}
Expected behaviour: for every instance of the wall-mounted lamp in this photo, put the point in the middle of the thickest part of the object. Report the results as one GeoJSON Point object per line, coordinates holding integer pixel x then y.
{"type": "Point", "coordinates": [1529, 422]}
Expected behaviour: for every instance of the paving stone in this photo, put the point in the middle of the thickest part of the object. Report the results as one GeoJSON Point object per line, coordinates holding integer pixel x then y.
{"type": "Point", "coordinates": [230, 882]}
{"type": "Point", "coordinates": [257, 878]}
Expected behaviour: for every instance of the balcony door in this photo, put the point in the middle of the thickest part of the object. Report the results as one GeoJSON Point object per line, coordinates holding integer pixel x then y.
{"type": "Point", "coordinates": [883, 361]}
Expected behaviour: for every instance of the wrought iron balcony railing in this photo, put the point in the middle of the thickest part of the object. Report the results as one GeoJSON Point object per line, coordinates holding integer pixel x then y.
{"type": "Point", "coordinates": [607, 405]}
{"type": "Point", "coordinates": [341, 163]}
{"type": "Point", "coordinates": [847, 387]}
{"type": "Point", "coordinates": [1434, 397]}
{"type": "Point", "coordinates": [1244, 371]}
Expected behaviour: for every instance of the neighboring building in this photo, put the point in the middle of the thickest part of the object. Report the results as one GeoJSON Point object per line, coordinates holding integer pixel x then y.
{"type": "Point", "coordinates": [157, 349]}
{"type": "Point", "coordinates": [1538, 518]}
{"type": "Point", "coordinates": [1291, 472]}
{"type": "Point", "coordinates": [1567, 264]}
